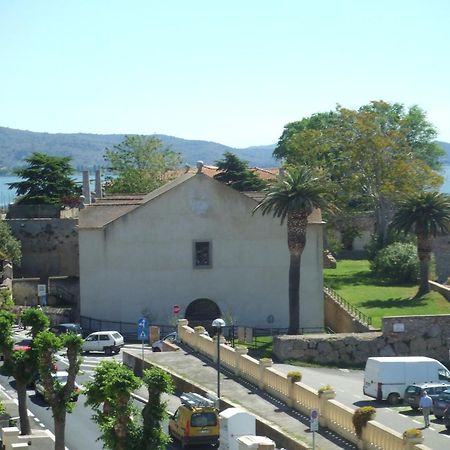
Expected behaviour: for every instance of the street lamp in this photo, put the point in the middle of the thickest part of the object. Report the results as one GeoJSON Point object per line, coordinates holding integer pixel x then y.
{"type": "Point", "coordinates": [218, 324]}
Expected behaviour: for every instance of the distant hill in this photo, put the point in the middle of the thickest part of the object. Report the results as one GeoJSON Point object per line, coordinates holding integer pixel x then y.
{"type": "Point", "coordinates": [87, 150]}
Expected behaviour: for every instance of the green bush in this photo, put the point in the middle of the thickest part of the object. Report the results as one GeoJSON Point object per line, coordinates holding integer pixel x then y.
{"type": "Point", "coordinates": [295, 375]}
{"type": "Point", "coordinates": [360, 418]}
{"type": "Point", "coordinates": [396, 262]}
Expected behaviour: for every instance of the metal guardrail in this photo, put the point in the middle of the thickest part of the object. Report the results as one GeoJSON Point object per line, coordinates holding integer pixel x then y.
{"type": "Point", "coordinates": [355, 312]}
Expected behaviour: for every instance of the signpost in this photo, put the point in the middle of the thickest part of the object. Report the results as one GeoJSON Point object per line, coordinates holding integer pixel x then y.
{"type": "Point", "coordinates": [142, 332]}
{"type": "Point", "coordinates": [42, 294]}
{"type": "Point", "coordinates": [314, 425]}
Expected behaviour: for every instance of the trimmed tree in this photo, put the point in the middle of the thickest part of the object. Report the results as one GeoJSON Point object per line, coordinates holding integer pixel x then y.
{"type": "Point", "coordinates": [58, 396]}
{"type": "Point", "coordinates": [294, 197]}
{"type": "Point", "coordinates": [10, 247]}
{"type": "Point", "coordinates": [425, 214]}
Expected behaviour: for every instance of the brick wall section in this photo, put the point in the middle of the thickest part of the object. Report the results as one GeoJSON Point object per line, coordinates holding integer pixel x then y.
{"type": "Point", "coordinates": [400, 336]}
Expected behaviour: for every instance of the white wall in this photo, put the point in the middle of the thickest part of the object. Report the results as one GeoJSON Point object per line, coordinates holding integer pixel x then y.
{"type": "Point", "coordinates": [145, 260]}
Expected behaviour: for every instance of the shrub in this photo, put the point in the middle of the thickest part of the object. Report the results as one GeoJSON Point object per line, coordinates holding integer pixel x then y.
{"type": "Point", "coordinates": [295, 375]}
{"type": "Point", "coordinates": [396, 262]}
{"type": "Point", "coordinates": [360, 418]}
{"type": "Point", "coordinates": [2, 408]}
{"type": "Point", "coordinates": [412, 433]}
{"type": "Point", "coordinates": [325, 388]}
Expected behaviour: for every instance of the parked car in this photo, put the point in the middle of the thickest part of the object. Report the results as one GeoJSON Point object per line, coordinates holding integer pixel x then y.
{"type": "Point", "coordinates": [387, 377]}
{"type": "Point", "coordinates": [441, 403]}
{"type": "Point", "coordinates": [157, 346]}
{"type": "Point", "coordinates": [24, 345]}
{"type": "Point", "coordinates": [171, 337]}
{"type": "Point", "coordinates": [446, 418]}
{"type": "Point", "coordinates": [108, 342]}
{"type": "Point", "coordinates": [60, 377]}
{"type": "Point", "coordinates": [67, 328]}
{"type": "Point", "coordinates": [195, 422]}
{"type": "Point", "coordinates": [414, 391]}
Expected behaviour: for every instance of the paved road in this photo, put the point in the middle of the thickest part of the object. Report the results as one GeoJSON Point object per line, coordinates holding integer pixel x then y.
{"type": "Point", "coordinates": [349, 391]}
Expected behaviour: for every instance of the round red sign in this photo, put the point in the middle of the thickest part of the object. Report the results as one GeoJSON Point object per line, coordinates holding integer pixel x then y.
{"type": "Point", "coordinates": [176, 309]}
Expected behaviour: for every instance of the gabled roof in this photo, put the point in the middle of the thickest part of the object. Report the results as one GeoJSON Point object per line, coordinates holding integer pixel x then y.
{"type": "Point", "coordinates": [111, 207]}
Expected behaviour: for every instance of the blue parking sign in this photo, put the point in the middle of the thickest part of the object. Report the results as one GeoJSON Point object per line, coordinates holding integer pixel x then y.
{"type": "Point", "coordinates": [142, 329]}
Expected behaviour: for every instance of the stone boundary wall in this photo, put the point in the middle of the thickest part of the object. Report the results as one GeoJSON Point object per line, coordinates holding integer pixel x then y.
{"type": "Point", "coordinates": [340, 320]}
{"type": "Point", "coordinates": [400, 336]}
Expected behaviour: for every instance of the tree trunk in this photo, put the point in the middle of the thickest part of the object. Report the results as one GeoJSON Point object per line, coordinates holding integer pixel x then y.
{"type": "Point", "coordinates": [294, 293]}
{"type": "Point", "coordinates": [381, 219]}
{"type": "Point", "coordinates": [23, 413]}
{"type": "Point", "coordinates": [424, 254]}
{"type": "Point", "coordinates": [60, 430]}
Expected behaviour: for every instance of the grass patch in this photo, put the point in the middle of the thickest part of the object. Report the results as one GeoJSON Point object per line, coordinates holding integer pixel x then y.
{"type": "Point", "coordinates": [353, 280]}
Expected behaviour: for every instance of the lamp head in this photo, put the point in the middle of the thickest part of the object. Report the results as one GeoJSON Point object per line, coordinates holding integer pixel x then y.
{"type": "Point", "coordinates": [218, 323]}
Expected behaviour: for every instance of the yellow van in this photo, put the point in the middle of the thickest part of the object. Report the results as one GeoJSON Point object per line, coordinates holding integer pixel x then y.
{"type": "Point", "coordinates": [195, 422]}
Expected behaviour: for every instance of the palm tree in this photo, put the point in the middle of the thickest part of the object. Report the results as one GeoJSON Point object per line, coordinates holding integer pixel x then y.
{"type": "Point", "coordinates": [425, 214]}
{"type": "Point", "coordinates": [294, 197]}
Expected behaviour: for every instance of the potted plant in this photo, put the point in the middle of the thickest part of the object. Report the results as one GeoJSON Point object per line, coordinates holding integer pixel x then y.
{"type": "Point", "coordinates": [326, 391]}
{"type": "Point", "coordinates": [360, 418]}
{"type": "Point", "coordinates": [413, 436]}
{"type": "Point", "coordinates": [294, 376]}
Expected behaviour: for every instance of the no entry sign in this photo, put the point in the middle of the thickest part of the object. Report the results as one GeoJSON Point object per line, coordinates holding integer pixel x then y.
{"type": "Point", "coordinates": [176, 309]}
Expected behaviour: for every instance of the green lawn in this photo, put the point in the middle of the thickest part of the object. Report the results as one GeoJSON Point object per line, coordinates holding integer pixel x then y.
{"type": "Point", "coordinates": [353, 281]}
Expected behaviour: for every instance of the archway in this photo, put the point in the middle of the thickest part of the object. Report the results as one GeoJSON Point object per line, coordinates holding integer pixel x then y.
{"type": "Point", "coordinates": [202, 312]}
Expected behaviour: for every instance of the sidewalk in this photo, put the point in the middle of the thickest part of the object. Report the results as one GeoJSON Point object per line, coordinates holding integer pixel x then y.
{"type": "Point", "coordinates": [236, 392]}
{"type": "Point", "coordinates": [40, 439]}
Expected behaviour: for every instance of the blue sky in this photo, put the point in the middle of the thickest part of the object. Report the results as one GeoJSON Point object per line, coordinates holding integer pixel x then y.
{"type": "Point", "coordinates": [233, 71]}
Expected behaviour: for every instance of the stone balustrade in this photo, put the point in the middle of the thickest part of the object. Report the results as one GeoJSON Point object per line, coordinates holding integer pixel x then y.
{"type": "Point", "coordinates": [332, 414]}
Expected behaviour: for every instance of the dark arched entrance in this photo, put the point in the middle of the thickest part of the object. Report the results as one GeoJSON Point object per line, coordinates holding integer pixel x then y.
{"type": "Point", "coordinates": [202, 312]}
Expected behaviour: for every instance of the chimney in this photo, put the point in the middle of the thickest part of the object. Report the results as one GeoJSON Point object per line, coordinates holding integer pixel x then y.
{"type": "Point", "coordinates": [98, 184]}
{"type": "Point", "coordinates": [86, 188]}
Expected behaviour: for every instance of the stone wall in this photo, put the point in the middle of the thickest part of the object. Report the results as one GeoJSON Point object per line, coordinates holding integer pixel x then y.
{"type": "Point", "coordinates": [400, 336]}
{"type": "Point", "coordinates": [25, 291]}
{"type": "Point", "coordinates": [49, 247]}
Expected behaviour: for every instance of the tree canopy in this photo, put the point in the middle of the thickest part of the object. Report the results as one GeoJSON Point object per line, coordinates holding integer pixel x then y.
{"type": "Point", "coordinates": [373, 155]}
{"type": "Point", "coordinates": [46, 180]}
{"type": "Point", "coordinates": [235, 173]}
{"type": "Point", "coordinates": [140, 164]}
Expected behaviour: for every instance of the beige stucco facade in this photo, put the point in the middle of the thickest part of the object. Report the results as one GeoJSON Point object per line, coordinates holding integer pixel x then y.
{"type": "Point", "coordinates": [142, 260]}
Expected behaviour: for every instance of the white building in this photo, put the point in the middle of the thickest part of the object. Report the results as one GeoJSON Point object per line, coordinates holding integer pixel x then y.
{"type": "Point", "coordinates": [195, 243]}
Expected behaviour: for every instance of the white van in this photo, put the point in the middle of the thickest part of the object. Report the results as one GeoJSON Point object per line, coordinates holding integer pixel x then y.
{"type": "Point", "coordinates": [386, 378]}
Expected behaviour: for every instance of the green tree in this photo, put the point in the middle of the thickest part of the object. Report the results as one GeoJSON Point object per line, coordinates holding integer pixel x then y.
{"type": "Point", "coordinates": [155, 411]}
{"type": "Point", "coordinates": [109, 395]}
{"type": "Point", "coordinates": [10, 247]}
{"type": "Point", "coordinates": [140, 164]}
{"type": "Point", "coordinates": [21, 364]}
{"type": "Point", "coordinates": [425, 214]}
{"type": "Point", "coordinates": [235, 173]}
{"type": "Point", "coordinates": [46, 180]}
{"type": "Point", "coordinates": [294, 197]}
{"type": "Point", "coordinates": [373, 154]}
{"type": "Point", "coordinates": [59, 396]}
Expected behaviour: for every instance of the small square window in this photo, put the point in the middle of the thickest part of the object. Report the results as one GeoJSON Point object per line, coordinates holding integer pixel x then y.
{"type": "Point", "coordinates": [202, 254]}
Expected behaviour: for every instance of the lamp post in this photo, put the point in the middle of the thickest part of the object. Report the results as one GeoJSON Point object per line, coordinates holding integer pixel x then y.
{"type": "Point", "coordinates": [218, 324]}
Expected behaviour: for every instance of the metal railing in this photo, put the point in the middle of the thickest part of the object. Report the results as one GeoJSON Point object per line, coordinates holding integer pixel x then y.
{"type": "Point", "coordinates": [355, 312]}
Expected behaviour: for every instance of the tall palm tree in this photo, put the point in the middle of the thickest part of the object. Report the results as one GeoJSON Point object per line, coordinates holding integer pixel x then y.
{"type": "Point", "coordinates": [424, 214]}
{"type": "Point", "coordinates": [294, 197]}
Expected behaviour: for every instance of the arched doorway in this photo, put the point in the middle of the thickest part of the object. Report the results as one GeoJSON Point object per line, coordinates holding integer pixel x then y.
{"type": "Point", "coordinates": [202, 312]}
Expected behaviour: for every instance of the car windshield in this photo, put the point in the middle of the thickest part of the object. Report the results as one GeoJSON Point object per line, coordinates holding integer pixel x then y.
{"type": "Point", "coordinates": [204, 419]}
{"type": "Point", "coordinates": [116, 335]}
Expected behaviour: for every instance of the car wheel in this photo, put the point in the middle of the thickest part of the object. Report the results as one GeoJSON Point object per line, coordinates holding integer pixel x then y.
{"type": "Point", "coordinates": [393, 399]}
{"type": "Point", "coordinates": [108, 351]}
{"type": "Point", "coordinates": [156, 349]}
{"type": "Point", "coordinates": [438, 417]}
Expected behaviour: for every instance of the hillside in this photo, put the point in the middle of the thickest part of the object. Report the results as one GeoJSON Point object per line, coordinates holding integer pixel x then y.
{"type": "Point", "coordinates": [87, 150]}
